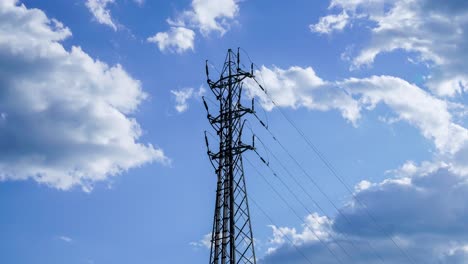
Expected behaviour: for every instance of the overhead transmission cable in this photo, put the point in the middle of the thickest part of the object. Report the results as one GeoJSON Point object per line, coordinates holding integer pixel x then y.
{"type": "Point", "coordinates": [329, 167]}
{"type": "Point", "coordinates": [302, 204]}
{"type": "Point", "coordinates": [269, 152]}
{"type": "Point", "coordinates": [281, 231]}
{"type": "Point", "coordinates": [267, 163]}
{"type": "Point", "coordinates": [290, 207]}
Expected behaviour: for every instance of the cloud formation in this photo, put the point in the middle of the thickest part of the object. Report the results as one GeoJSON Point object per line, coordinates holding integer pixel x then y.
{"type": "Point", "coordinates": [65, 239]}
{"type": "Point", "coordinates": [412, 104]}
{"type": "Point", "coordinates": [205, 242]}
{"type": "Point", "coordinates": [423, 203]}
{"type": "Point", "coordinates": [101, 12]}
{"type": "Point", "coordinates": [330, 23]}
{"type": "Point", "coordinates": [412, 26]}
{"type": "Point", "coordinates": [206, 16]}
{"type": "Point", "coordinates": [426, 215]}
{"type": "Point", "coordinates": [423, 207]}
{"type": "Point", "coordinates": [183, 96]}
{"type": "Point", "coordinates": [66, 117]}
{"type": "Point", "coordinates": [177, 39]}
{"type": "Point", "coordinates": [301, 87]}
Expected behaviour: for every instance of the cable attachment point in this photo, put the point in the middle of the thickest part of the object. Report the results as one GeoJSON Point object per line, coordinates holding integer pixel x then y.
{"type": "Point", "coordinates": [253, 105]}
{"type": "Point", "coordinates": [207, 145]}
{"type": "Point", "coordinates": [206, 107]}
{"type": "Point", "coordinates": [207, 71]}
{"type": "Point", "coordinates": [261, 87]}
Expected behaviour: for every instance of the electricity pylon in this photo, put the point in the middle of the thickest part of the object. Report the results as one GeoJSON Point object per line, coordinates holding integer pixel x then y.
{"type": "Point", "coordinates": [232, 239]}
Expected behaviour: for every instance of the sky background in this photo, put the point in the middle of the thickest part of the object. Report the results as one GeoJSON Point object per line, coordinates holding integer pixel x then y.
{"type": "Point", "coordinates": [102, 151]}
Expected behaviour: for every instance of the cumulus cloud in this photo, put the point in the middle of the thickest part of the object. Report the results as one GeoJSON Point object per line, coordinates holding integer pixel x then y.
{"type": "Point", "coordinates": [423, 203]}
{"type": "Point", "coordinates": [301, 87]}
{"type": "Point", "coordinates": [426, 215]}
{"type": "Point", "coordinates": [437, 196]}
{"type": "Point", "coordinates": [183, 96]}
{"type": "Point", "coordinates": [315, 228]}
{"type": "Point", "coordinates": [101, 12]}
{"type": "Point", "coordinates": [177, 39]}
{"type": "Point", "coordinates": [436, 33]}
{"type": "Point", "coordinates": [330, 23]}
{"type": "Point", "coordinates": [422, 207]}
{"type": "Point", "coordinates": [67, 117]}
{"type": "Point", "coordinates": [206, 16]}
{"type": "Point", "coordinates": [205, 242]}
{"type": "Point", "coordinates": [434, 30]}
{"type": "Point", "coordinates": [412, 104]}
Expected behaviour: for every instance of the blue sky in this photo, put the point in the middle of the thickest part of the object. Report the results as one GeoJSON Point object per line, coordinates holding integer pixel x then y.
{"type": "Point", "coordinates": [103, 158]}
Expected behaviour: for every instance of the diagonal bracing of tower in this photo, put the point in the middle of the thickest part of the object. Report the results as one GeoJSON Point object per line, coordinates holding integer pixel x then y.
{"type": "Point", "coordinates": [232, 239]}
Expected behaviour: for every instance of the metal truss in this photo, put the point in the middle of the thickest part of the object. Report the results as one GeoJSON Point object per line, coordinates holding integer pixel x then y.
{"type": "Point", "coordinates": [232, 239]}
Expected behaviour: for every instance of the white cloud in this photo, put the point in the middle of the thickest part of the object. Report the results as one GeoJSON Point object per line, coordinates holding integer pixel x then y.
{"type": "Point", "coordinates": [205, 242]}
{"type": "Point", "coordinates": [410, 169]}
{"type": "Point", "coordinates": [69, 117]}
{"type": "Point", "coordinates": [139, 2]}
{"type": "Point", "coordinates": [412, 104]}
{"type": "Point", "coordinates": [434, 30]}
{"type": "Point", "coordinates": [330, 23]}
{"type": "Point", "coordinates": [205, 16]}
{"type": "Point", "coordinates": [301, 87]}
{"type": "Point", "coordinates": [101, 12]}
{"type": "Point", "coordinates": [208, 15]}
{"type": "Point", "coordinates": [426, 215]}
{"type": "Point", "coordinates": [177, 39]}
{"type": "Point", "coordinates": [65, 239]}
{"type": "Point", "coordinates": [183, 96]}
{"type": "Point", "coordinates": [314, 229]}
{"type": "Point", "coordinates": [423, 209]}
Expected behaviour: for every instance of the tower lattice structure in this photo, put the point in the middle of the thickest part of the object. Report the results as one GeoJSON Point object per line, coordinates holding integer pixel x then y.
{"type": "Point", "coordinates": [232, 239]}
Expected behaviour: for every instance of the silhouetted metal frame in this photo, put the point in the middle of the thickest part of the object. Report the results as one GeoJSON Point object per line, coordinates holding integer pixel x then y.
{"type": "Point", "coordinates": [232, 238]}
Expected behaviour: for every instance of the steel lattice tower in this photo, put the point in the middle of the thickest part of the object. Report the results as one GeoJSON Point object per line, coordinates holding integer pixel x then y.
{"type": "Point", "coordinates": [232, 239]}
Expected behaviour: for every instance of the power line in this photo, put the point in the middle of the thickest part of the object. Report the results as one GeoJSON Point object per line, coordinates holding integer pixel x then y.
{"type": "Point", "coordinates": [294, 211]}
{"type": "Point", "coordinates": [282, 233]}
{"type": "Point", "coordinates": [279, 229]}
{"type": "Point", "coordinates": [332, 170]}
{"type": "Point", "coordinates": [302, 204]}
{"type": "Point", "coordinates": [312, 199]}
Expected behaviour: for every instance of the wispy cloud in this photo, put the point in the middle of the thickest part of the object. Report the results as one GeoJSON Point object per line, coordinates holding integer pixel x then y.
{"type": "Point", "coordinates": [101, 12]}
{"type": "Point", "coordinates": [183, 96]}
{"type": "Point", "coordinates": [437, 40]}
{"type": "Point", "coordinates": [205, 242]}
{"type": "Point", "coordinates": [65, 239]}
